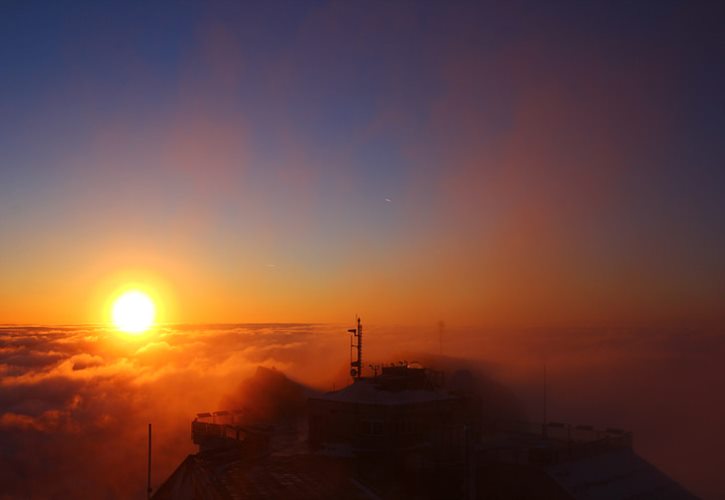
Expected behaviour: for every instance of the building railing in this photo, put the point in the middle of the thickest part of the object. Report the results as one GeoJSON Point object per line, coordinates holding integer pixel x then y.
{"type": "Point", "coordinates": [558, 431]}
{"type": "Point", "coordinates": [225, 426]}
{"type": "Point", "coordinates": [553, 442]}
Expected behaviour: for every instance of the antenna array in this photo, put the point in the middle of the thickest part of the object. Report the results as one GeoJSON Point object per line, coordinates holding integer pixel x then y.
{"type": "Point", "coordinates": [356, 345]}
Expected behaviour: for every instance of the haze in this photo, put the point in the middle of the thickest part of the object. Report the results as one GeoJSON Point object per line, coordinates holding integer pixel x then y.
{"type": "Point", "coordinates": [544, 165]}
{"type": "Point", "coordinates": [545, 179]}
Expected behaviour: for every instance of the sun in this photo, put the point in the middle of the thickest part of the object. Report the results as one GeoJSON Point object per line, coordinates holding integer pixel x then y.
{"type": "Point", "coordinates": [133, 312]}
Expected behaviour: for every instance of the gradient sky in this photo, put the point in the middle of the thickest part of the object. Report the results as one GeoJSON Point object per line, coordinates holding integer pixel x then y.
{"type": "Point", "coordinates": [503, 164]}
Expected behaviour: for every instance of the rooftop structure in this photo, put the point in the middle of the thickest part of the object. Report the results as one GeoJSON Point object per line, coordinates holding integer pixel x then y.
{"type": "Point", "coordinates": [402, 407]}
{"type": "Point", "coordinates": [402, 434]}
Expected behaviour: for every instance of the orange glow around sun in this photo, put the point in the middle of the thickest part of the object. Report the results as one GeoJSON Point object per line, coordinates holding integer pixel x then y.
{"type": "Point", "coordinates": [133, 312]}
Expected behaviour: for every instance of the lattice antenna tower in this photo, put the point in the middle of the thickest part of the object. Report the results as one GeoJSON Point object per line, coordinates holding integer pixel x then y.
{"type": "Point", "coordinates": [356, 347]}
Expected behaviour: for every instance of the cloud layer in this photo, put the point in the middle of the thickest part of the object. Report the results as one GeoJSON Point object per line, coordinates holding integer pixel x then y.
{"type": "Point", "coordinates": [75, 401]}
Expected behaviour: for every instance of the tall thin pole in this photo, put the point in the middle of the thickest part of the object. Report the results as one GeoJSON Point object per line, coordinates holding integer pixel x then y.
{"type": "Point", "coordinates": [546, 392]}
{"type": "Point", "coordinates": [359, 349]}
{"type": "Point", "coordinates": [441, 328]}
{"type": "Point", "coordinates": [546, 401]}
{"type": "Point", "coordinates": [148, 490]}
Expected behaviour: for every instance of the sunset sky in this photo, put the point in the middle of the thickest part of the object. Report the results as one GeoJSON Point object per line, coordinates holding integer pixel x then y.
{"type": "Point", "coordinates": [192, 189]}
{"type": "Point", "coordinates": [512, 164]}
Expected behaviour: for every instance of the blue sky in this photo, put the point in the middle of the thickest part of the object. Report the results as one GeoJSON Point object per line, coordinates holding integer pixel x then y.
{"type": "Point", "coordinates": [570, 145]}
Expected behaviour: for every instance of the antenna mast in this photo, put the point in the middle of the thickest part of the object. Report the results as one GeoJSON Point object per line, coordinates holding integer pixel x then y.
{"type": "Point", "coordinates": [441, 331]}
{"type": "Point", "coordinates": [356, 365]}
{"type": "Point", "coordinates": [148, 488]}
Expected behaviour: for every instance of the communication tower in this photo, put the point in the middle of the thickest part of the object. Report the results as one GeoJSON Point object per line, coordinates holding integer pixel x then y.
{"type": "Point", "coordinates": [356, 346]}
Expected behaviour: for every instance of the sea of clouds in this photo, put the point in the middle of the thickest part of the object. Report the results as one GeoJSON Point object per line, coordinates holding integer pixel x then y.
{"type": "Point", "coordinates": [75, 401]}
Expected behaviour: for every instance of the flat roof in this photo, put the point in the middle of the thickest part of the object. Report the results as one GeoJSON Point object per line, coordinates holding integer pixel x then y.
{"type": "Point", "coordinates": [369, 393]}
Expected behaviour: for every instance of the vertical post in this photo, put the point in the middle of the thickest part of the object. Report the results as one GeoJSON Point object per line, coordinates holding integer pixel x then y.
{"type": "Point", "coordinates": [546, 402]}
{"type": "Point", "coordinates": [441, 328]}
{"type": "Point", "coordinates": [469, 466]}
{"type": "Point", "coordinates": [359, 349]}
{"type": "Point", "coordinates": [466, 476]}
{"type": "Point", "coordinates": [148, 489]}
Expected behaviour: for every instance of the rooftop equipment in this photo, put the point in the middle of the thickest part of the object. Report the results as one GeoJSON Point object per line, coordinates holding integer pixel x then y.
{"type": "Point", "coordinates": [356, 365]}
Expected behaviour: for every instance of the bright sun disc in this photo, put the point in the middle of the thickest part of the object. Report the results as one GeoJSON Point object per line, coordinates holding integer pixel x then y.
{"type": "Point", "coordinates": [133, 312]}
